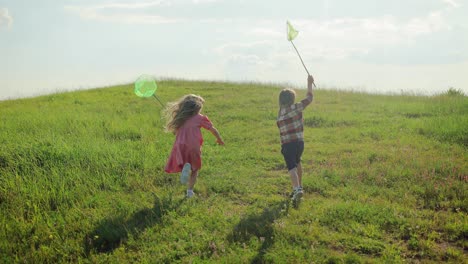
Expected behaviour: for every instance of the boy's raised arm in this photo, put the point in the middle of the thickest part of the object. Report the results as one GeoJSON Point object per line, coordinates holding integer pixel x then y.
{"type": "Point", "coordinates": [310, 95]}
{"type": "Point", "coordinates": [310, 83]}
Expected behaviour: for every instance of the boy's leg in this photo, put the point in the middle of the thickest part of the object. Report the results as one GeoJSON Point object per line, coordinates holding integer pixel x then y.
{"type": "Point", "coordinates": [299, 151]}
{"type": "Point", "coordinates": [294, 178]}
{"type": "Point", "coordinates": [297, 189]}
{"type": "Point", "coordinates": [299, 174]}
{"type": "Point", "coordinates": [289, 151]}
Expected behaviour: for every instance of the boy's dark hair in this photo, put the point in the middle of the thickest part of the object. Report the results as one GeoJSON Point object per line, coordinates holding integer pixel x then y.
{"type": "Point", "coordinates": [287, 97]}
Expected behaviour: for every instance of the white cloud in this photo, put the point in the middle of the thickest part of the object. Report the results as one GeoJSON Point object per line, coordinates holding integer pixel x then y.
{"type": "Point", "coordinates": [204, 1]}
{"type": "Point", "coordinates": [348, 37]}
{"type": "Point", "coordinates": [248, 59]}
{"type": "Point", "coordinates": [124, 13]}
{"type": "Point", "coordinates": [130, 5]}
{"type": "Point", "coordinates": [242, 47]}
{"type": "Point", "coordinates": [432, 23]}
{"type": "Point", "coordinates": [386, 29]}
{"type": "Point", "coordinates": [267, 32]}
{"type": "Point", "coordinates": [451, 3]}
{"type": "Point", "coordinates": [150, 12]}
{"type": "Point", "coordinates": [359, 37]}
{"type": "Point", "coordinates": [5, 18]}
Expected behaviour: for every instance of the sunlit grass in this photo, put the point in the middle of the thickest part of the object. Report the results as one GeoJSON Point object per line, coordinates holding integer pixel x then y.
{"type": "Point", "coordinates": [82, 179]}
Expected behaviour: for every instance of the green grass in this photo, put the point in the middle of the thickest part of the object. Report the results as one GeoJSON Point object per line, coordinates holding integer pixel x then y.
{"type": "Point", "coordinates": [82, 179]}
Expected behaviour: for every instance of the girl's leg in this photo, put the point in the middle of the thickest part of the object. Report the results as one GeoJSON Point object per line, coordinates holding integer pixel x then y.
{"type": "Point", "coordinates": [299, 174]}
{"type": "Point", "coordinates": [192, 180]}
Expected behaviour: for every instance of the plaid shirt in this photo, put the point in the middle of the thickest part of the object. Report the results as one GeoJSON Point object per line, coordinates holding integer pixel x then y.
{"type": "Point", "coordinates": [290, 122]}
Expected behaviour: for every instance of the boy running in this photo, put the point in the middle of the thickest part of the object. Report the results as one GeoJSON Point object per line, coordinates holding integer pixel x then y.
{"type": "Point", "coordinates": [291, 128]}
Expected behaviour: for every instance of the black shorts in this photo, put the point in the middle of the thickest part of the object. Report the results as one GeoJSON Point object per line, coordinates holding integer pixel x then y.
{"type": "Point", "coordinates": [292, 153]}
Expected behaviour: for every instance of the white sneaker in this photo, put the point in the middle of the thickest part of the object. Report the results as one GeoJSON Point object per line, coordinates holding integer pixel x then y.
{"type": "Point", "coordinates": [190, 194]}
{"type": "Point", "coordinates": [297, 195]}
{"type": "Point", "coordinates": [186, 170]}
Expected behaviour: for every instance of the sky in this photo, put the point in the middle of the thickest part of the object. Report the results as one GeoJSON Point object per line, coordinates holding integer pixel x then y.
{"type": "Point", "coordinates": [399, 46]}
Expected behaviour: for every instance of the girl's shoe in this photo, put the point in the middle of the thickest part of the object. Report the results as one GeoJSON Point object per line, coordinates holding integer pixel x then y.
{"type": "Point", "coordinates": [186, 170]}
{"type": "Point", "coordinates": [190, 194]}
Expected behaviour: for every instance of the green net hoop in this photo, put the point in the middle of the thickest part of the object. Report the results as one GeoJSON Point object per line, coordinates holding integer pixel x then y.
{"type": "Point", "coordinates": [291, 32]}
{"type": "Point", "coordinates": [145, 86]}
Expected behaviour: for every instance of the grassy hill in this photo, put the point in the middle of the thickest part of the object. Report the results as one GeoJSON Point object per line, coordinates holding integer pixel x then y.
{"type": "Point", "coordinates": [82, 179]}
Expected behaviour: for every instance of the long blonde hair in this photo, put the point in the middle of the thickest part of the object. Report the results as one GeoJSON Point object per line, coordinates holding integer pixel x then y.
{"type": "Point", "coordinates": [180, 111]}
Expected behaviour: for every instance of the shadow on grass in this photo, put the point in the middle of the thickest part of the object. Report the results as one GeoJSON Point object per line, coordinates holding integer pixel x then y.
{"type": "Point", "coordinates": [260, 226]}
{"type": "Point", "coordinates": [114, 231]}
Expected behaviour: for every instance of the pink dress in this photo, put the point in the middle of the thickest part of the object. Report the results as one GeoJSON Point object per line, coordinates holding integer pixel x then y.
{"type": "Point", "coordinates": [187, 146]}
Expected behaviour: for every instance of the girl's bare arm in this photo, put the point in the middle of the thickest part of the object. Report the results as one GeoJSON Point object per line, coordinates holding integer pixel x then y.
{"type": "Point", "coordinates": [215, 133]}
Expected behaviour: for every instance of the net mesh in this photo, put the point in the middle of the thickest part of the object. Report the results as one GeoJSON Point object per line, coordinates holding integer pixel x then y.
{"type": "Point", "coordinates": [292, 33]}
{"type": "Point", "coordinates": [145, 86]}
